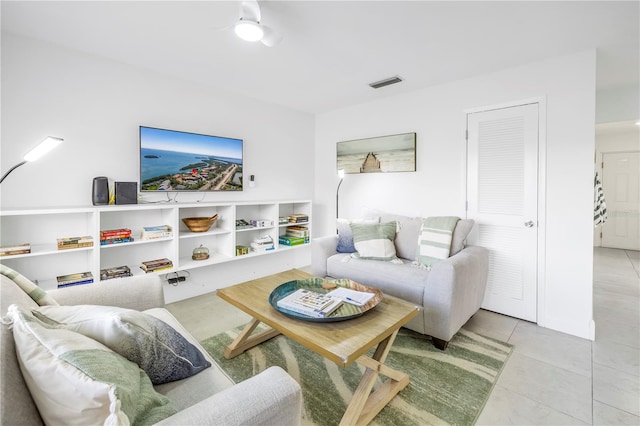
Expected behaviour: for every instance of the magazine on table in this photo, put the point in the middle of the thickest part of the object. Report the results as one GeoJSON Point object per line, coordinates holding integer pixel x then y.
{"type": "Point", "coordinates": [310, 303]}
{"type": "Point", "coordinates": [358, 298]}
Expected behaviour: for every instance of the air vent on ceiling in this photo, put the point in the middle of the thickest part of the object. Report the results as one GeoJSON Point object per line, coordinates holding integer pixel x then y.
{"type": "Point", "coordinates": [385, 82]}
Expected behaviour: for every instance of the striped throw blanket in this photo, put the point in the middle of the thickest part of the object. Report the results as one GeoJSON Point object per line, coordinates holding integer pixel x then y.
{"type": "Point", "coordinates": [434, 241]}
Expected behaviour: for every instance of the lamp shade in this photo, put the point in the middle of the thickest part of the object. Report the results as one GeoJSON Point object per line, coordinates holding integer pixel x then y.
{"type": "Point", "coordinates": [42, 148]}
{"type": "Point", "coordinates": [248, 30]}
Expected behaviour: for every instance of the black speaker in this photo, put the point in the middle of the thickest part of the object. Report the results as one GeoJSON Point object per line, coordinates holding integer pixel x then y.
{"type": "Point", "coordinates": [100, 191]}
{"type": "Point", "coordinates": [126, 192]}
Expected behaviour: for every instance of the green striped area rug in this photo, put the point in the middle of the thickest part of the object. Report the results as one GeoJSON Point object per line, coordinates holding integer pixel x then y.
{"type": "Point", "coordinates": [449, 387]}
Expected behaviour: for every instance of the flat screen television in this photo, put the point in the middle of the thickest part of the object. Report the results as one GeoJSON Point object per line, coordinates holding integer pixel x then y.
{"type": "Point", "coordinates": [172, 160]}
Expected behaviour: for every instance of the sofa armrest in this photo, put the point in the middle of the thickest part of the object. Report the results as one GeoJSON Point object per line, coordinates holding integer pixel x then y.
{"type": "Point", "coordinates": [140, 293]}
{"type": "Point", "coordinates": [269, 398]}
{"type": "Point", "coordinates": [455, 290]}
{"type": "Point", "coordinates": [321, 249]}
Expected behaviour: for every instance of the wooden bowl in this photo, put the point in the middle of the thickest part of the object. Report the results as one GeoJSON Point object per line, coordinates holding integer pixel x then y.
{"type": "Point", "coordinates": [199, 224]}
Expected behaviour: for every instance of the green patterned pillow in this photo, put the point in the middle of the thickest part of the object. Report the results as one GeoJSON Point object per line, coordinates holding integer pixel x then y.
{"type": "Point", "coordinates": [36, 293]}
{"type": "Point", "coordinates": [163, 353]}
{"type": "Point", "coordinates": [375, 241]}
{"type": "Point", "coordinates": [75, 380]}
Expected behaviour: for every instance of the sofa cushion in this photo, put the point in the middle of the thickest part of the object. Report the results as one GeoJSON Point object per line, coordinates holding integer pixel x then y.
{"type": "Point", "coordinates": [375, 241]}
{"type": "Point", "coordinates": [33, 291]}
{"type": "Point", "coordinates": [187, 392]}
{"type": "Point", "coordinates": [75, 380]}
{"type": "Point", "coordinates": [163, 353]}
{"type": "Point", "coordinates": [345, 234]}
{"type": "Point", "coordinates": [407, 235]}
{"type": "Point", "coordinates": [434, 243]}
{"type": "Point", "coordinates": [460, 234]}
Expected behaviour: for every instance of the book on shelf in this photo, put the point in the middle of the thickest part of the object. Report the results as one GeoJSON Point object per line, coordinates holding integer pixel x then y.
{"type": "Point", "coordinates": [263, 243]}
{"type": "Point", "coordinates": [75, 242]}
{"type": "Point", "coordinates": [74, 279]}
{"type": "Point", "coordinates": [155, 232]}
{"type": "Point", "coordinates": [310, 303]}
{"type": "Point", "coordinates": [115, 233]}
{"type": "Point", "coordinates": [117, 272]}
{"type": "Point", "coordinates": [261, 223]}
{"type": "Point", "coordinates": [358, 298]}
{"type": "Point", "coordinates": [116, 241]}
{"type": "Point", "coordinates": [297, 231]}
{"type": "Point", "coordinates": [292, 241]}
{"type": "Point", "coordinates": [15, 249]}
{"type": "Point", "coordinates": [298, 218]}
{"type": "Point", "coordinates": [156, 265]}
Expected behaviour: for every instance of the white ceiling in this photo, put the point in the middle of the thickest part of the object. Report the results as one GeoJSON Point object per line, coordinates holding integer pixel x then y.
{"type": "Point", "coordinates": [332, 49]}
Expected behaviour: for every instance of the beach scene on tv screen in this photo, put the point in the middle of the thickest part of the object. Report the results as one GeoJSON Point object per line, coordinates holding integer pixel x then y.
{"type": "Point", "coordinates": [179, 161]}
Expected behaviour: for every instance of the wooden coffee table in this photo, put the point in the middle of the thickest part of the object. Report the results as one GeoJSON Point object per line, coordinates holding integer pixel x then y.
{"type": "Point", "coordinates": [342, 342]}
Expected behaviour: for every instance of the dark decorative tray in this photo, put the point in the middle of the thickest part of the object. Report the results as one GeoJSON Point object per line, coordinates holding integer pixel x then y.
{"type": "Point", "coordinates": [344, 312]}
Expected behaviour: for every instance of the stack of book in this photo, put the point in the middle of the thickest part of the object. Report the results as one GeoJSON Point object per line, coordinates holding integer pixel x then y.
{"type": "Point", "coordinates": [17, 249]}
{"type": "Point", "coordinates": [75, 242]}
{"type": "Point", "coordinates": [117, 272]}
{"type": "Point", "coordinates": [310, 303]}
{"type": "Point", "coordinates": [287, 240]}
{"type": "Point", "coordinates": [155, 232]}
{"type": "Point", "coordinates": [295, 235]}
{"type": "Point", "coordinates": [115, 236]}
{"type": "Point", "coordinates": [156, 265]}
{"type": "Point", "coordinates": [74, 279]}
{"type": "Point", "coordinates": [262, 244]}
{"type": "Point", "coordinates": [298, 218]}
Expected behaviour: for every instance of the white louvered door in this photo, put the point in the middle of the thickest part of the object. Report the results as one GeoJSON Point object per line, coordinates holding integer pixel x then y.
{"type": "Point", "coordinates": [502, 193]}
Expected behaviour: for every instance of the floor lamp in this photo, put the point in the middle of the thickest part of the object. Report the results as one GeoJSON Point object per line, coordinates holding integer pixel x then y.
{"type": "Point", "coordinates": [341, 176]}
{"type": "Point", "coordinates": [43, 147]}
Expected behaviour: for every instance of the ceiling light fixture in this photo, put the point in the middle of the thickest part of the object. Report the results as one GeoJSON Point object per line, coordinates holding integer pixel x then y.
{"type": "Point", "coordinates": [248, 30]}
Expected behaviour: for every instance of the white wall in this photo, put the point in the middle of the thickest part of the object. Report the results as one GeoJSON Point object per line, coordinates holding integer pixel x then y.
{"type": "Point", "coordinates": [96, 105]}
{"type": "Point", "coordinates": [438, 187]}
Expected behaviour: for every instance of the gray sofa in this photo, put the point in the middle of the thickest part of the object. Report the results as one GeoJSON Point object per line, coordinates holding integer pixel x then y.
{"type": "Point", "coordinates": [449, 293]}
{"type": "Point", "coordinates": [208, 397]}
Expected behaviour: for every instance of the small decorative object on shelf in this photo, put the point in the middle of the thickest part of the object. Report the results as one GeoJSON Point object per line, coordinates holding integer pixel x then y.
{"type": "Point", "coordinates": [155, 232]}
{"type": "Point", "coordinates": [200, 253]}
{"type": "Point", "coordinates": [117, 272]}
{"type": "Point", "coordinates": [75, 242]}
{"type": "Point", "coordinates": [14, 250]}
{"type": "Point", "coordinates": [115, 236]}
{"type": "Point", "coordinates": [74, 279]}
{"type": "Point", "coordinates": [241, 250]}
{"type": "Point", "coordinates": [200, 224]}
{"type": "Point", "coordinates": [156, 265]}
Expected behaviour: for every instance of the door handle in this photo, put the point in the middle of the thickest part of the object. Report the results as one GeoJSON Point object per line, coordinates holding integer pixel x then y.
{"type": "Point", "coordinates": [528, 224]}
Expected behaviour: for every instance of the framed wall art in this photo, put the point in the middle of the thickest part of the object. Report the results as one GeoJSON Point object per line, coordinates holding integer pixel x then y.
{"type": "Point", "coordinates": [395, 153]}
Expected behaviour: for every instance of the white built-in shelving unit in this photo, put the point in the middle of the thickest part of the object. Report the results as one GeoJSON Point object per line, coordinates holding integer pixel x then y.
{"type": "Point", "coordinates": [42, 227]}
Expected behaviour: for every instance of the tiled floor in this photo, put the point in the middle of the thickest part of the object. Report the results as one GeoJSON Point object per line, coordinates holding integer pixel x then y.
{"type": "Point", "coordinates": [551, 378]}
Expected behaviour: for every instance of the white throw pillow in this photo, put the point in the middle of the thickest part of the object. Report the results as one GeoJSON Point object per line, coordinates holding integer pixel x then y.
{"type": "Point", "coordinates": [75, 380]}
{"type": "Point", "coordinates": [375, 241]}
{"type": "Point", "coordinates": [163, 353]}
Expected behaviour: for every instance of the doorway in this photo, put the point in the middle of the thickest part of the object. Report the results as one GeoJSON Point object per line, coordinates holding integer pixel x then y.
{"type": "Point", "coordinates": [502, 197]}
{"type": "Point", "coordinates": [621, 186]}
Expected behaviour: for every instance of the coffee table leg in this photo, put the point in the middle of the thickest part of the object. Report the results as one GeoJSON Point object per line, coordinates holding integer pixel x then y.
{"type": "Point", "coordinates": [364, 405]}
{"type": "Point", "coordinates": [246, 340]}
